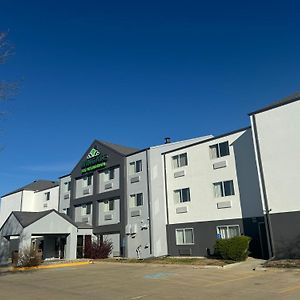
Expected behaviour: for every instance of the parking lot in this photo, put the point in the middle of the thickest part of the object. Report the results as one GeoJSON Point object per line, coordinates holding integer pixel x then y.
{"type": "Point", "coordinates": [139, 281]}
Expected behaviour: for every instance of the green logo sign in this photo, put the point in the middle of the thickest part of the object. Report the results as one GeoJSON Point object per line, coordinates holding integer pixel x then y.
{"type": "Point", "coordinates": [93, 153]}
{"type": "Point", "coordinates": [95, 160]}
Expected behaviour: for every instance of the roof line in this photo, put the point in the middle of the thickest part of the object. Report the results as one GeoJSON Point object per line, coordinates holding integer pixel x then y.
{"type": "Point", "coordinates": [275, 105]}
{"type": "Point", "coordinates": [208, 140]}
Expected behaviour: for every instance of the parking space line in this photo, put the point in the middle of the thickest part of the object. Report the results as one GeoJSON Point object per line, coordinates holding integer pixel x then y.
{"type": "Point", "coordinates": [289, 289]}
{"type": "Point", "coordinates": [232, 280]}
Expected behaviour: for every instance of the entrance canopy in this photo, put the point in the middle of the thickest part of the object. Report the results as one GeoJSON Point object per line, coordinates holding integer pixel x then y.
{"type": "Point", "coordinates": [26, 225]}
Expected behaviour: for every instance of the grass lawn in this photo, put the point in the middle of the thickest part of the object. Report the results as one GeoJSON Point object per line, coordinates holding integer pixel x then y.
{"type": "Point", "coordinates": [174, 260]}
{"type": "Point", "coordinates": [283, 263]}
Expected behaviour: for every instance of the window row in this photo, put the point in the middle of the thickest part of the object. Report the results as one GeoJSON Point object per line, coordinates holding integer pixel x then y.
{"type": "Point", "coordinates": [221, 189]}
{"type": "Point", "coordinates": [215, 151]}
{"type": "Point", "coordinates": [185, 236]}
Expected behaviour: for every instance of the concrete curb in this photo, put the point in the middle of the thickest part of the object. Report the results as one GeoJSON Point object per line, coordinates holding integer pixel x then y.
{"type": "Point", "coordinates": [52, 266]}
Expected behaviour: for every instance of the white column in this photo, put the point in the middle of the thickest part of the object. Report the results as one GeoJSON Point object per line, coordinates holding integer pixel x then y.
{"type": "Point", "coordinates": [71, 245]}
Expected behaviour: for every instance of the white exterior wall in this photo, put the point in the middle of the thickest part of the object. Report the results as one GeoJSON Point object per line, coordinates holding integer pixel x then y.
{"type": "Point", "coordinates": [81, 190]}
{"type": "Point", "coordinates": [40, 202]}
{"type": "Point", "coordinates": [8, 204]}
{"type": "Point", "coordinates": [64, 195]}
{"type": "Point", "coordinates": [154, 201]}
{"type": "Point", "coordinates": [109, 185]}
{"type": "Point", "coordinates": [199, 176]}
{"type": "Point", "coordinates": [278, 132]}
{"type": "Point", "coordinates": [28, 201]}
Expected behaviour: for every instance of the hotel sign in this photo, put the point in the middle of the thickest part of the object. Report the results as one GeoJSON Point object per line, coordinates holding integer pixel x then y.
{"type": "Point", "coordinates": [94, 160]}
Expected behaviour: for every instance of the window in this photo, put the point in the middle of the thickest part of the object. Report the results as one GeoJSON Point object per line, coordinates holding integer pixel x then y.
{"type": "Point", "coordinates": [47, 196]}
{"type": "Point", "coordinates": [87, 181]}
{"type": "Point", "coordinates": [219, 150]}
{"type": "Point", "coordinates": [66, 211]}
{"type": "Point", "coordinates": [179, 160]}
{"type": "Point", "coordinates": [228, 231]}
{"type": "Point", "coordinates": [223, 189]}
{"type": "Point", "coordinates": [67, 186]}
{"type": "Point", "coordinates": [185, 236]}
{"type": "Point", "coordinates": [109, 174]}
{"type": "Point", "coordinates": [135, 167]}
{"type": "Point", "coordinates": [182, 195]}
{"type": "Point", "coordinates": [109, 205]}
{"type": "Point", "coordinates": [136, 200]}
{"type": "Point", "coordinates": [87, 209]}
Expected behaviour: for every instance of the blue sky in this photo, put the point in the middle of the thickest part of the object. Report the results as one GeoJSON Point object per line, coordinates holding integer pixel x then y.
{"type": "Point", "coordinates": [133, 72]}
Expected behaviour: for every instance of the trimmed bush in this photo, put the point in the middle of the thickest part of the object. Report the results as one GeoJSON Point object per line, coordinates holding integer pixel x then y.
{"type": "Point", "coordinates": [235, 248]}
{"type": "Point", "coordinates": [96, 250]}
{"type": "Point", "coordinates": [29, 257]}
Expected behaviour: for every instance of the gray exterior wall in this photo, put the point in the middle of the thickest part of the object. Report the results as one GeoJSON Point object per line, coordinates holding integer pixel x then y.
{"type": "Point", "coordinates": [117, 160]}
{"type": "Point", "coordinates": [138, 229]}
{"type": "Point", "coordinates": [205, 236]}
{"type": "Point", "coordinates": [286, 234]}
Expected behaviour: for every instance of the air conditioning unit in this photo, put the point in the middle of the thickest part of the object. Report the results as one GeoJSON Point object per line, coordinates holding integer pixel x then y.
{"type": "Point", "coordinates": [86, 191]}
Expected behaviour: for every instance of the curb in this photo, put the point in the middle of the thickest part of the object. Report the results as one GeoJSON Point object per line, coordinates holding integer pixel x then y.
{"type": "Point", "coordinates": [53, 266]}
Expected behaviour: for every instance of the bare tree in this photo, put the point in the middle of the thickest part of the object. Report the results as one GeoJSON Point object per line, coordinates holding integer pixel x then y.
{"type": "Point", "coordinates": [7, 88]}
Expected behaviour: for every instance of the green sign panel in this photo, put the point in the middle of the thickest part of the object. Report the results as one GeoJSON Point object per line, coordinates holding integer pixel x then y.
{"type": "Point", "coordinates": [95, 160]}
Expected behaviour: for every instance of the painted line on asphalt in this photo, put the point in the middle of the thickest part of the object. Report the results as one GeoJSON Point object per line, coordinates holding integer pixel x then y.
{"type": "Point", "coordinates": [138, 297]}
{"type": "Point", "coordinates": [232, 280]}
{"type": "Point", "coordinates": [289, 289]}
{"type": "Point", "coordinates": [52, 266]}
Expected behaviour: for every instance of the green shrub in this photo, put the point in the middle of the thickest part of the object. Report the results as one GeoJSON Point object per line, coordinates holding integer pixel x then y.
{"type": "Point", "coordinates": [235, 248]}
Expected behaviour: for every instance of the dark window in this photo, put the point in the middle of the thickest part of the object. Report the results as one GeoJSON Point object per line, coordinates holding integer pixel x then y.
{"type": "Point", "coordinates": [111, 174]}
{"type": "Point", "coordinates": [47, 195]}
{"type": "Point", "coordinates": [89, 180]}
{"type": "Point", "coordinates": [228, 188]}
{"type": "Point", "coordinates": [138, 166]}
{"type": "Point", "coordinates": [219, 150]}
{"type": "Point", "coordinates": [111, 205]}
{"type": "Point", "coordinates": [88, 208]}
{"type": "Point", "coordinates": [180, 160]}
{"type": "Point", "coordinates": [185, 195]}
{"type": "Point", "coordinates": [224, 149]}
{"type": "Point", "coordinates": [139, 199]}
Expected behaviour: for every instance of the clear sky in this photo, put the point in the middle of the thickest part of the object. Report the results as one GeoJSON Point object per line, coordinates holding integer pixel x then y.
{"type": "Point", "coordinates": [134, 72]}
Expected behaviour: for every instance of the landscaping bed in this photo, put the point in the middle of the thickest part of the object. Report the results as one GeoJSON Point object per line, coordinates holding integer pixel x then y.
{"type": "Point", "coordinates": [202, 261]}
{"type": "Point", "coordinates": [283, 263]}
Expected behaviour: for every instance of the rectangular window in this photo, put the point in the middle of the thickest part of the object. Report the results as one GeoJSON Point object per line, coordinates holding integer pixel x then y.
{"type": "Point", "coordinates": [223, 188]}
{"type": "Point", "coordinates": [67, 186]}
{"type": "Point", "coordinates": [109, 174]}
{"type": "Point", "coordinates": [109, 205]}
{"type": "Point", "coordinates": [47, 196]}
{"type": "Point", "coordinates": [87, 181]}
{"type": "Point", "coordinates": [219, 150]}
{"type": "Point", "coordinates": [184, 236]}
{"type": "Point", "coordinates": [228, 231]}
{"type": "Point", "coordinates": [182, 195]}
{"type": "Point", "coordinates": [136, 200]}
{"type": "Point", "coordinates": [86, 209]}
{"type": "Point", "coordinates": [135, 167]}
{"type": "Point", "coordinates": [180, 160]}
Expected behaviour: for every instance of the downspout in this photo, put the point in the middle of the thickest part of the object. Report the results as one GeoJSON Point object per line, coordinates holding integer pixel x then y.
{"type": "Point", "coordinates": [149, 205]}
{"type": "Point", "coordinates": [21, 203]}
{"type": "Point", "coordinates": [265, 198]}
